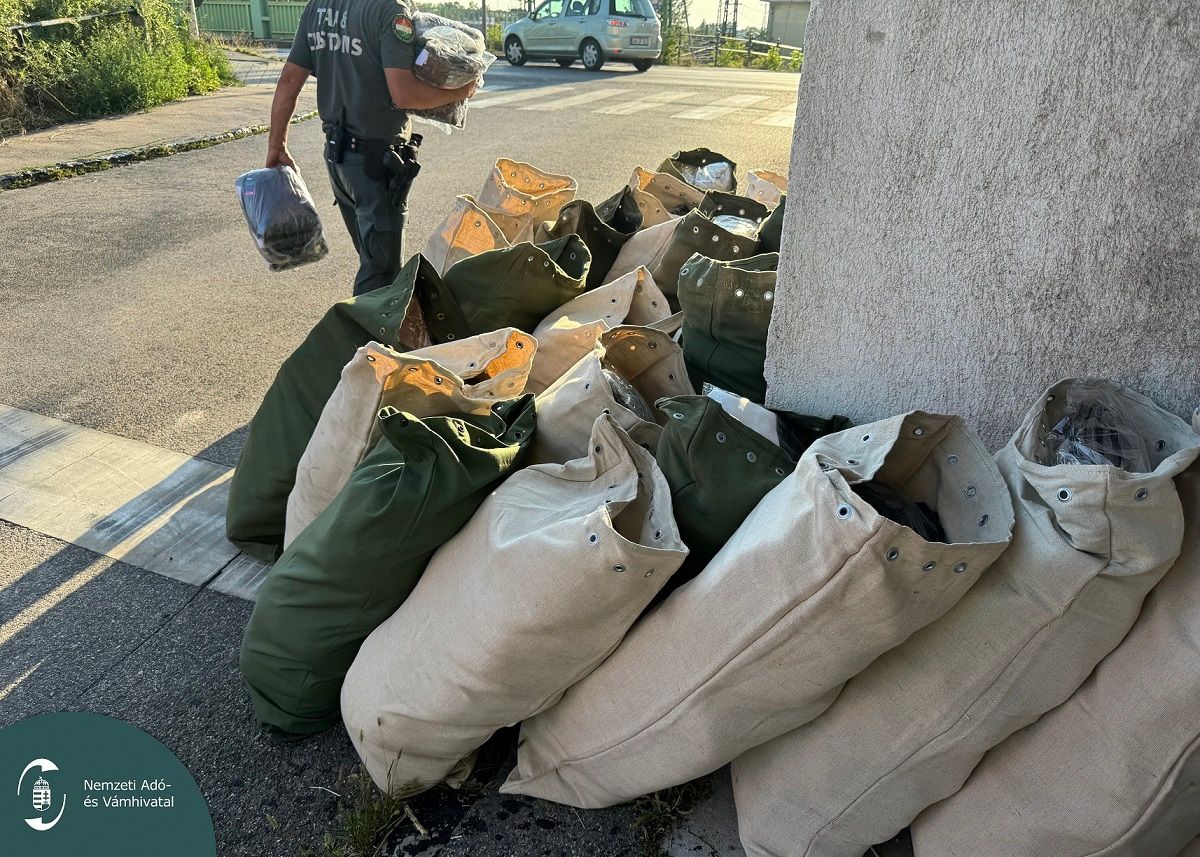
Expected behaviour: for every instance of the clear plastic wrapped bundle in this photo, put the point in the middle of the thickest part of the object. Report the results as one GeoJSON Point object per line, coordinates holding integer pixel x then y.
{"type": "Point", "coordinates": [282, 217]}
{"type": "Point", "coordinates": [445, 118]}
{"type": "Point", "coordinates": [627, 396]}
{"type": "Point", "coordinates": [737, 225]}
{"type": "Point", "coordinates": [448, 59]}
{"type": "Point", "coordinates": [715, 176]}
{"type": "Point", "coordinates": [1089, 425]}
{"type": "Point", "coordinates": [423, 22]}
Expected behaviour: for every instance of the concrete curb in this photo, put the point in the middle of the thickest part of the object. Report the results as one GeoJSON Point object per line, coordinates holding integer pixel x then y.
{"type": "Point", "coordinates": [68, 169]}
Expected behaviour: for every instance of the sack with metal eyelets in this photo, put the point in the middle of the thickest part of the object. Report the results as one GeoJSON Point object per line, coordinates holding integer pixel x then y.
{"type": "Point", "coordinates": [726, 315]}
{"type": "Point", "coordinates": [770, 235]}
{"type": "Point", "coordinates": [604, 229]}
{"type": "Point", "coordinates": [524, 190]}
{"type": "Point", "coordinates": [282, 427]}
{"type": "Point", "coordinates": [642, 250]}
{"type": "Point", "coordinates": [703, 169]}
{"type": "Point", "coordinates": [813, 586]}
{"type": "Point", "coordinates": [470, 229]}
{"type": "Point", "coordinates": [695, 233]}
{"type": "Point", "coordinates": [661, 197]}
{"type": "Point", "coordinates": [525, 601]}
{"type": "Point", "coordinates": [739, 214]}
{"type": "Point", "coordinates": [766, 187]}
{"type": "Point", "coordinates": [1115, 770]}
{"type": "Point", "coordinates": [357, 562]}
{"type": "Point", "coordinates": [571, 332]}
{"type": "Point", "coordinates": [649, 359]}
{"type": "Point", "coordinates": [1089, 543]}
{"type": "Point", "coordinates": [568, 409]}
{"type": "Point", "coordinates": [464, 377]}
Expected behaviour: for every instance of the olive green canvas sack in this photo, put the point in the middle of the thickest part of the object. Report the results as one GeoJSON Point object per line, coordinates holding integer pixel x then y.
{"type": "Point", "coordinates": [726, 315]}
{"type": "Point", "coordinates": [470, 229]}
{"type": "Point", "coordinates": [571, 332]}
{"type": "Point", "coordinates": [514, 287]}
{"type": "Point", "coordinates": [661, 197]}
{"type": "Point", "coordinates": [1115, 770]}
{"type": "Point", "coordinates": [643, 249]}
{"type": "Point", "coordinates": [535, 591]}
{"type": "Point", "coordinates": [812, 587]}
{"type": "Point", "coordinates": [771, 234]}
{"type": "Point", "coordinates": [464, 377]}
{"type": "Point", "coordinates": [525, 191]}
{"type": "Point", "coordinates": [695, 233]}
{"type": "Point", "coordinates": [280, 430]}
{"type": "Point", "coordinates": [650, 360]}
{"type": "Point", "coordinates": [1090, 542]}
{"type": "Point", "coordinates": [604, 234]}
{"type": "Point", "coordinates": [765, 186]}
{"type": "Point", "coordinates": [703, 169]}
{"type": "Point", "coordinates": [721, 204]}
{"type": "Point", "coordinates": [357, 562]}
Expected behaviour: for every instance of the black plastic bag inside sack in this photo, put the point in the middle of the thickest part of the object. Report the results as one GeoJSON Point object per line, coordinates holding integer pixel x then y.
{"type": "Point", "coordinates": [282, 217]}
{"type": "Point", "coordinates": [918, 517]}
{"type": "Point", "coordinates": [1088, 425]}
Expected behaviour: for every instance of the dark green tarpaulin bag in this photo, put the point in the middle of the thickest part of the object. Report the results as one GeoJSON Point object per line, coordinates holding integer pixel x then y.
{"type": "Point", "coordinates": [771, 234]}
{"type": "Point", "coordinates": [717, 203]}
{"type": "Point", "coordinates": [285, 420]}
{"type": "Point", "coordinates": [726, 313]}
{"type": "Point", "coordinates": [703, 169]}
{"type": "Point", "coordinates": [695, 233]}
{"type": "Point", "coordinates": [357, 562]}
{"type": "Point", "coordinates": [604, 229]}
{"type": "Point", "coordinates": [516, 286]}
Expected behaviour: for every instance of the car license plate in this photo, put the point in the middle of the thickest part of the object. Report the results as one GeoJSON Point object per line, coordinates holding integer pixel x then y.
{"type": "Point", "coordinates": [639, 41]}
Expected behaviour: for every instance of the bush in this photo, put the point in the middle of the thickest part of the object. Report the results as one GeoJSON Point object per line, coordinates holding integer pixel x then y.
{"type": "Point", "coordinates": [494, 37]}
{"type": "Point", "coordinates": [773, 61]}
{"type": "Point", "coordinates": [797, 59]}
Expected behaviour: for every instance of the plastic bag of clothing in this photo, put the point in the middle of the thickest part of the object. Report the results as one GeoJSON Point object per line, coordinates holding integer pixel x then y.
{"type": "Point", "coordinates": [750, 414]}
{"type": "Point", "coordinates": [281, 428]}
{"type": "Point", "coordinates": [282, 217]}
{"type": "Point", "coordinates": [726, 313]}
{"type": "Point", "coordinates": [1115, 770]}
{"type": "Point", "coordinates": [648, 358]}
{"type": "Point", "coordinates": [1089, 543]}
{"type": "Point", "coordinates": [464, 377]}
{"type": "Point", "coordinates": [770, 236]}
{"type": "Point", "coordinates": [447, 118]}
{"type": "Point", "coordinates": [525, 191]}
{"type": "Point", "coordinates": [695, 233]}
{"type": "Point", "coordinates": [662, 197]}
{"type": "Point", "coordinates": [604, 229]}
{"type": "Point", "coordinates": [766, 187]}
{"type": "Point", "coordinates": [535, 591]}
{"type": "Point", "coordinates": [470, 229]}
{"type": "Point", "coordinates": [570, 332]}
{"type": "Point", "coordinates": [703, 169]}
{"type": "Point", "coordinates": [811, 588]}
{"type": "Point", "coordinates": [450, 58]}
{"type": "Point", "coordinates": [569, 408]}
{"type": "Point", "coordinates": [357, 562]}
{"type": "Point", "coordinates": [423, 22]}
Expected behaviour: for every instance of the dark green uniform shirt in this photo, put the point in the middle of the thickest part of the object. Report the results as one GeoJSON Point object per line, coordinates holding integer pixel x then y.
{"type": "Point", "coordinates": [347, 44]}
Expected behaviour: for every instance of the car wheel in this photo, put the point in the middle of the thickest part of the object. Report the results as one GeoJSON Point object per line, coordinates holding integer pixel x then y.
{"type": "Point", "coordinates": [514, 51]}
{"type": "Point", "coordinates": [566, 62]}
{"type": "Point", "coordinates": [591, 54]}
{"type": "Point", "coordinates": [643, 65]}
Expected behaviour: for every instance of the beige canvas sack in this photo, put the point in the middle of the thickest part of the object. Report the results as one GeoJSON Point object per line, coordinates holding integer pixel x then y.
{"type": "Point", "coordinates": [662, 197]}
{"type": "Point", "coordinates": [463, 377]}
{"type": "Point", "coordinates": [644, 249]}
{"type": "Point", "coordinates": [527, 192]}
{"type": "Point", "coordinates": [765, 186]}
{"type": "Point", "coordinates": [530, 596]}
{"type": "Point", "coordinates": [567, 410]}
{"type": "Point", "coordinates": [649, 359]}
{"type": "Point", "coordinates": [572, 331]}
{"type": "Point", "coordinates": [1115, 770]}
{"type": "Point", "coordinates": [810, 589]}
{"type": "Point", "coordinates": [470, 229]}
{"type": "Point", "coordinates": [1089, 543]}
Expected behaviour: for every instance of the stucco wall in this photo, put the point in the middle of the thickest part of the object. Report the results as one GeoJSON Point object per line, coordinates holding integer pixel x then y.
{"type": "Point", "coordinates": [987, 197]}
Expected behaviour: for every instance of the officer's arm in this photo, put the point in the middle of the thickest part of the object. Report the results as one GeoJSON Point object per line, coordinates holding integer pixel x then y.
{"type": "Point", "coordinates": [287, 92]}
{"type": "Point", "coordinates": [411, 93]}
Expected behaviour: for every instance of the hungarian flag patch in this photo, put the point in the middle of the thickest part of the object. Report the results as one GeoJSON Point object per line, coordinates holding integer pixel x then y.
{"type": "Point", "coordinates": [403, 27]}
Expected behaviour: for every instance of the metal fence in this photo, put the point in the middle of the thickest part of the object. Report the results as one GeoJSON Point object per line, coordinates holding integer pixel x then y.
{"type": "Point", "coordinates": [708, 49]}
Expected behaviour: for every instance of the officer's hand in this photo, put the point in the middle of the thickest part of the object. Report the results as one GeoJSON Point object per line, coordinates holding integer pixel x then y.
{"type": "Point", "coordinates": [280, 157]}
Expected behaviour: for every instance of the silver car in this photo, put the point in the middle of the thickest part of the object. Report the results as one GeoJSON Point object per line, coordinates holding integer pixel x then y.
{"type": "Point", "coordinates": [595, 31]}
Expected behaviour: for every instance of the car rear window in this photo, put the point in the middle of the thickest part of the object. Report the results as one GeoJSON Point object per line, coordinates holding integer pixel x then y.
{"type": "Point", "coordinates": [631, 8]}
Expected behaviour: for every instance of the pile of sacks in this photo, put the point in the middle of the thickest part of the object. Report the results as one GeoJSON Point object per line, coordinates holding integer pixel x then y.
{"type": "Point", "coordinates": [534, 481]}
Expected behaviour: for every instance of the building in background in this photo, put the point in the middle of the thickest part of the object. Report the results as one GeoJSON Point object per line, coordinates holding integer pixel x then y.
{"type": "Point", "coordinates": [786, 21]}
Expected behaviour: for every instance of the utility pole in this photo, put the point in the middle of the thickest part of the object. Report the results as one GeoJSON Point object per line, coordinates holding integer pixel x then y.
{"type": "Point", "coordinates": [193, 21]}
{"type": "Point", "coordinates": [483, 9]}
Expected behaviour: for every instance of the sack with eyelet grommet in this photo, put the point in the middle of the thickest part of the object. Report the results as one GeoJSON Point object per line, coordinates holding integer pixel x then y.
{"type": "Point", "coordinates": [283, 425]}
{"type": "Point", "coordinates": [571, 332]}
{"type": "Point", "coordinates": [721, 204]}
{"type": "Point", "coordinates": [470, 229]}
{"type": "Point", "coordinates": [770, 235]}
{"type": "Point", "coordinates": [703, 169]}
{"type": "Point", "coordinates": [525, 601]}
{"type": "Point", "coordinates": [464, 377]}
{"type": "Point", "coordinates": [1115, 770]}
{"type": "Point", "coordinates": [604, 234]}
{"type": "Point", "coordinates": [524, 190]}
{"type": "Point", "coordinates": [650, 359]}
{"type": "Point", "coordinates": [643, 249]}
{"type": "Point", "coordinates": [662, 197]}
{"type": "Point", "coordinates": [695, 233]}
{"type": "Point", "coordinates": [765, 186]}
{"type": "Point", "coordinates": [357, 562]}
{"type": "Point", "coordinates": [1089, 543]}
{"type": "Point", "coordinates": [726, 314]}
{"type": "Point", "coordinates": [810, 589]}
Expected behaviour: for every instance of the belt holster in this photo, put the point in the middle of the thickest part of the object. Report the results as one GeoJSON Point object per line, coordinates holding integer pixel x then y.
{"type": "Point", "coordinates": [336, 141]}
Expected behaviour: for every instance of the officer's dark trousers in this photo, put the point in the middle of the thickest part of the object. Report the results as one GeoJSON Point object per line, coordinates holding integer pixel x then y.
{"type": "Point", "coordinates": [374, 213]}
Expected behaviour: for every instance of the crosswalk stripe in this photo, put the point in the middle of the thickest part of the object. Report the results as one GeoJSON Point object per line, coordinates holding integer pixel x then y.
{"type": "Point", "coordinates": [483, 100]}
{"type": "Point", "coordinates": [656, 99]}
{"type": "Point", "coordinates": [571, 100]}
{"type": "Point", "coordinates": [783, 119]}
{"type": "Point", "coordinates": [721, 107]}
